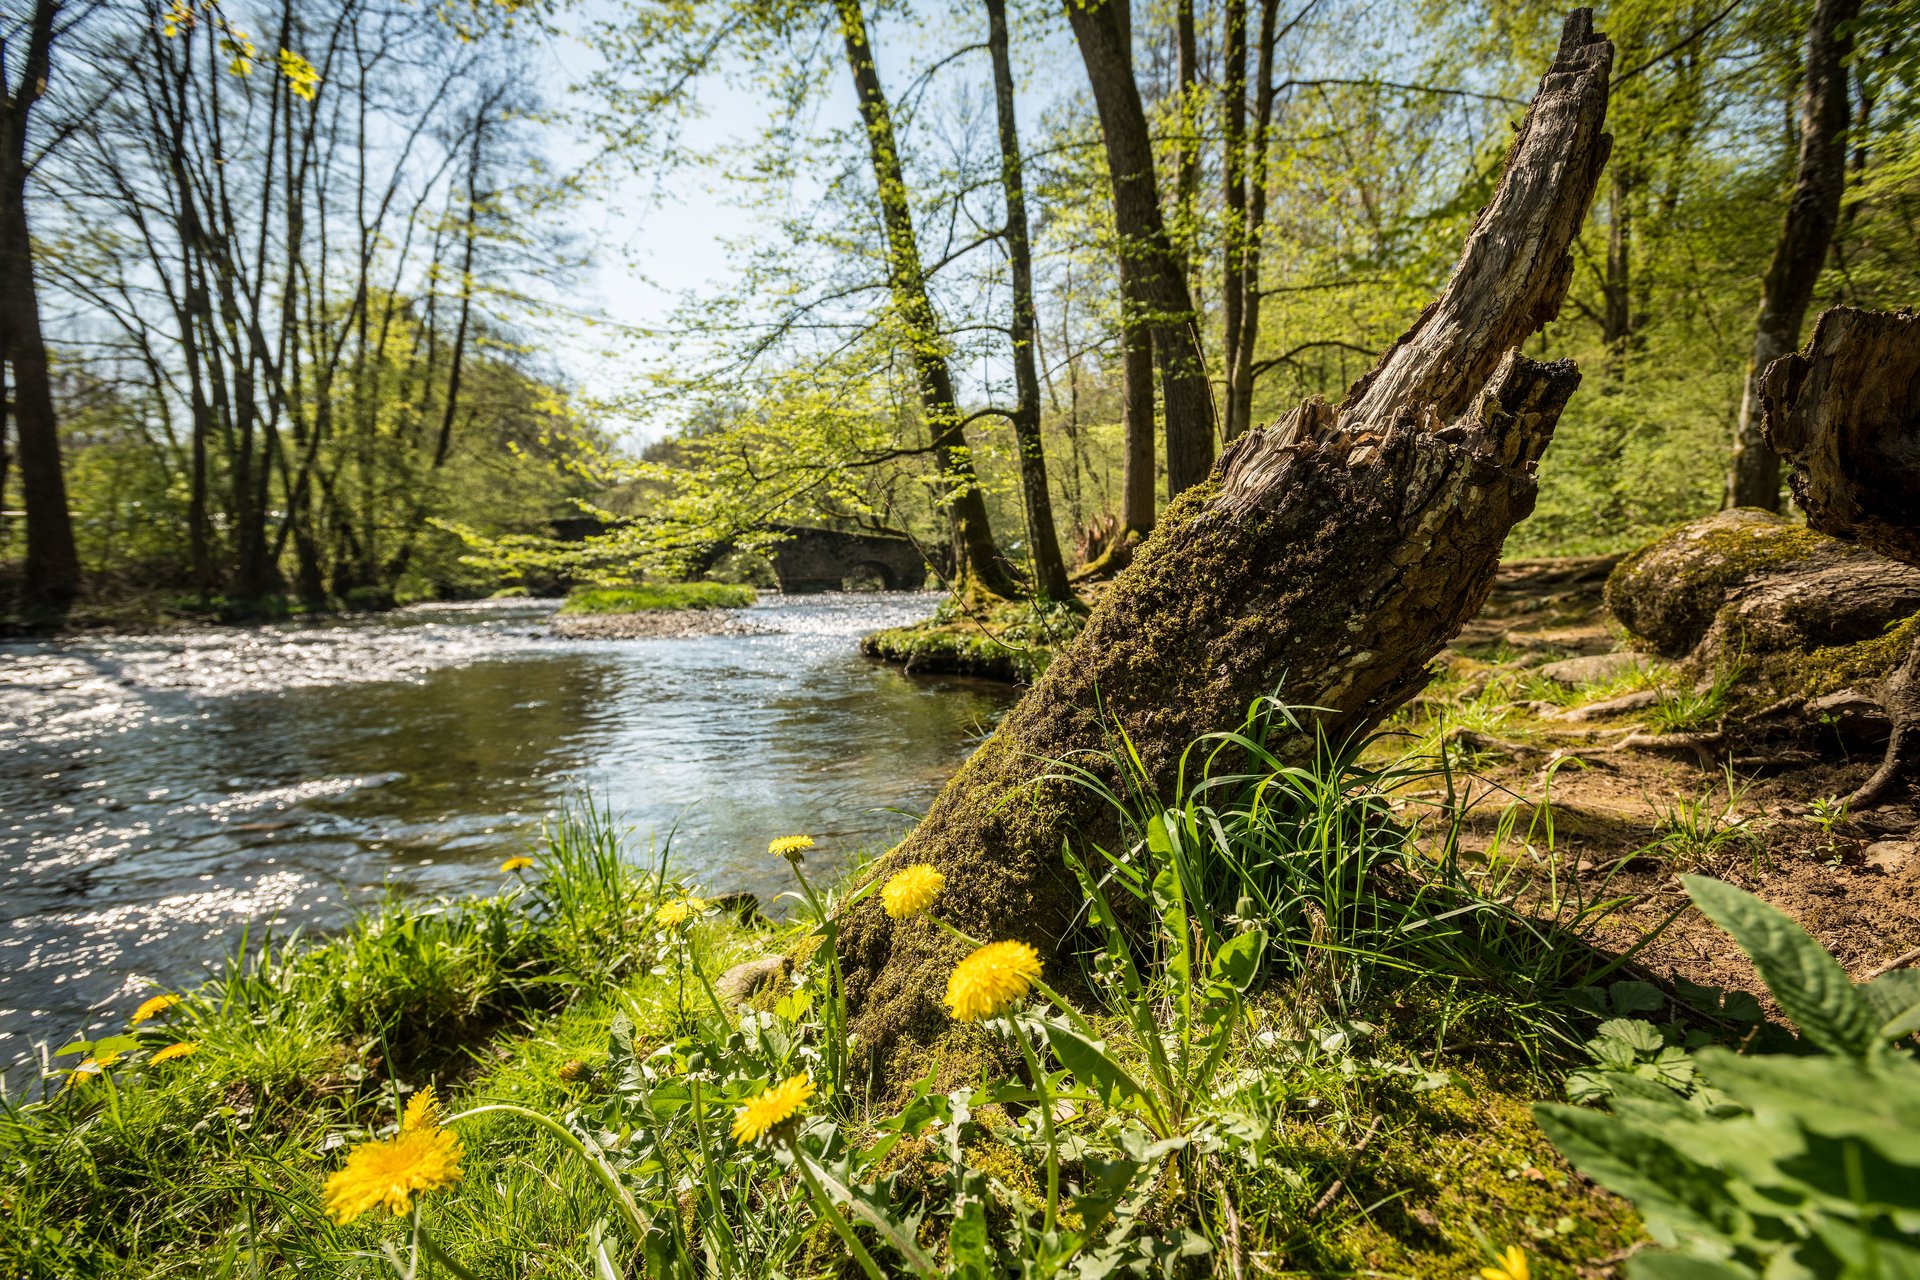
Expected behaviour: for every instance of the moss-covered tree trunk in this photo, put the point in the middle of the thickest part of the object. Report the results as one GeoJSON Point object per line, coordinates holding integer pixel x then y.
{"type": "Point", "coordinates": [1328, 557]}
{"type": "Point", "coordinates": [1845, 414]}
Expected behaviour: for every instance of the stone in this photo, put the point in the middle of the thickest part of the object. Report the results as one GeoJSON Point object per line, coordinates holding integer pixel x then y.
{"type": "Point", "coordinates": [750, 977]}
{"type": "Point", "coordinates": [1592, 669]}
{"type": "Point", "coordinates": [1889, 855]}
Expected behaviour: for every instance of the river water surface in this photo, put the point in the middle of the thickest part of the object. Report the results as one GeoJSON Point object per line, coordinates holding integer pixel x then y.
{"type": "Point", "coordinates": [159, 792]}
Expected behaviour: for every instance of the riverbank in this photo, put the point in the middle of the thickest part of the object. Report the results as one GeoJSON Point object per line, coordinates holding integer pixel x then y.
{"type": "Point", "coordinates": [586, 987]}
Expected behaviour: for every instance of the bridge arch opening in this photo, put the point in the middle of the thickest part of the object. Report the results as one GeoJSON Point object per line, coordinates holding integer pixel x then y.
{"type": "Point", "coordinates": [869, 575]}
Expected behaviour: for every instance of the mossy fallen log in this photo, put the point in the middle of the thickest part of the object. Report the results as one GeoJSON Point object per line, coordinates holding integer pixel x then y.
{"type": "Point", "coordinates": [1328, 557]}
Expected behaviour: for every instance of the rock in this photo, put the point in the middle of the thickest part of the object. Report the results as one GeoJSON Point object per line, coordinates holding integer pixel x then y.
{"type": "Point", "coordinates": [1791, 588]}
{"type": "Point", "coordinates": [1592, 669]}
{"type": "Point", "coordinates": [1638, 700]}
{"type": "Point", "coordinates": [1890, 855]}
{"type": "Point", "coordinates": [750, 977]}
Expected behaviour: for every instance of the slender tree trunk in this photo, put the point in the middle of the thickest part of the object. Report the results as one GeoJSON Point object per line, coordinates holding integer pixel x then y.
{"type": "Point", "coordinates": [52, 570]}
{"type": "Point", "coordinates": [1326, 559]}
{"type": "Point", "coordinates": [1187, 148]}
{"type": "Point", "coordinates": [1616, 314]}
{"type": "Point", "coordinates": [1806, 233]}
{"type": "Point", "coordinates": [1233, 121]}
{"type": "Point", "coordinates": [1240, 354]}
{"type": "Point", "coordinates": [1136, 388]}
{"type": "Point", "coordinates": [1049, 569]}
{"type": "Point", "coordinates": [1099, 28]}
{"type": "Point", "coordinates": [976, 562]}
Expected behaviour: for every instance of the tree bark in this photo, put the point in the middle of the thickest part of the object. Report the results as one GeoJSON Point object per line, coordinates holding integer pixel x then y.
{"type": "Point", "coordinates": [1233, 125]}
{"type": "Point", "coordinates": [1326, 559]}
{"type": "Point", "coordinates": [1137, 505]}
{"type": "Point", "coordinates": [1187, 146]}
{"type": "Point", "coordinates": [976, 562]}
{"type": "Point", "coordinates": [1099, 28]}
{"type": "Point", "coordinates": [1049, 567]}
{"type": "Point", "coordinates": [1845, 414]}
{"type": "Point", "coordinates": [1246, 336]}
{"type": "Point", "coordinates": [51, 577]}
{"type": "Point", "coordinates": [1819, 180]}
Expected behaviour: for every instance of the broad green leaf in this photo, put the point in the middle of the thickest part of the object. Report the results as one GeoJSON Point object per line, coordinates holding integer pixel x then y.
{"type": "Point", "coordinates": [1641, 1037]}
{"type": "Point", "coordinates": [1895, 999]}
{"type": "Point", "coordinates": [967, 1242]}
{"type": "Point", "coordinates": [1635, 997]}
{"type": "Point", "coordinates": [1237, 963]}
{"type": "Point", "coordinates": [1090, 1064]}
{"type": "Point", "coordinates": [1684, 1266]}
{"type": "Point", "coordinates": [1808, 983]}
{"type": "Point", "coordinates": [1670, 1191]}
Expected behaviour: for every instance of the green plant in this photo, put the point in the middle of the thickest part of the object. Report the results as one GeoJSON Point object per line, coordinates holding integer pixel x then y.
{"type": "Point", "coordinates": [665, 595]}
{"type": "Point", "coordinates": [1685, 709]}
{"type": "Point", "coordinates": [1777, 1165]}
{"type": "Point", "coordinates": [1699, 832]}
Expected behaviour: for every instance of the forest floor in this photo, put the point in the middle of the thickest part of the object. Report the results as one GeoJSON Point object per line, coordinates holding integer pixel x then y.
{"type": "Point", "coordinates": [1634, 807]}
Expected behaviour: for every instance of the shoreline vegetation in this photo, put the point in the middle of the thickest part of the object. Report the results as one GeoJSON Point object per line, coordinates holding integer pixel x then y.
{"type": "Point", "coordinates": [655, 611]}
{"type": "Point", "coordinates": [1316, 1048]}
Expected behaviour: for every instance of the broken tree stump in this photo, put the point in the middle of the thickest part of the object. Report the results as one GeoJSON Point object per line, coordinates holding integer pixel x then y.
{"type": "Point", "coordinates": [1328, 557]}
{"type": "Point", "coordinates": [1844, 412]}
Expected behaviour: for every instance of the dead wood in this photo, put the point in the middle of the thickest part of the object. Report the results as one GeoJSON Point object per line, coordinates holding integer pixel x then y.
{"type": "Point", "coordinates": [1845, 414]}
{"type": "Point", "coordinates": [1328, 557]}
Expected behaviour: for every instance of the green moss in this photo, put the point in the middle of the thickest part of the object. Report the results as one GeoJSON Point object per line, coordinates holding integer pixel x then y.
{"type": "Point", "coordinates": [650, 599]}
{"type": "Point", "coordinates": [1823, 671]}
{"type": "Point", "coordinates": [1010, 640]}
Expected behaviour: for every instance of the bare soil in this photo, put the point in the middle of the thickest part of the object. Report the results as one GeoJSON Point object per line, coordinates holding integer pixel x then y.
{"type": "Point", "coordinates": [1635, 809]}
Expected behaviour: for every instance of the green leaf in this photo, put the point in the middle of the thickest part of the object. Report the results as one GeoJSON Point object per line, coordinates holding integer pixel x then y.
{"type": "Point", "coordinates": [967, 1241]}
{"type": "Point", "coordinates": [1237, 963]}
{"type": "Point", "coordinates": [1682, 1266]}
{"type": "Point", "coordinates": [1895, 1000]}
{"type": "Point", "coordinates": [1636, 997]}
{"type": "Point", "coordinates": [1089, 1063]}
{"type": "Point", "coordinates": [1641, 1037]}
{"type": "Point", "coordinates": [1670, 1191]}
{"type": "Point", "coordinates": [1809, 984]}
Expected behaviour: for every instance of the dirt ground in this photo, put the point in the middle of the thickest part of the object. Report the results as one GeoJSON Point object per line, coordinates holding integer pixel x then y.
{"type": "Point", "coordinates": [1747, 797]}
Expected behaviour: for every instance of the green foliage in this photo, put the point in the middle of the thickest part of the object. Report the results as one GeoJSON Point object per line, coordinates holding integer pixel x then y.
{"type": "Point", "coordinates": [1684, 709]}
{"type": "Point", "coordinates": [1774, 1165]}
{"type": "Point", "coordinates": [658, 596]}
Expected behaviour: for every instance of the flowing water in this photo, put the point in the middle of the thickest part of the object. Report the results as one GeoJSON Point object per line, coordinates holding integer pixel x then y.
{"type": "Point", "coordinates": [159, 792]}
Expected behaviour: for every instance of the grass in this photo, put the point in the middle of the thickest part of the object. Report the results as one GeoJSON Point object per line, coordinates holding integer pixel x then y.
{"type": "Point", "coordinates": [657, 597]}
{"type": "Point", "coordinates": [1302, 1043]}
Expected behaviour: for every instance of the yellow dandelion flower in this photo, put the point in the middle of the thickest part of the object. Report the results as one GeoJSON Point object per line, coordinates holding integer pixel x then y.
{"type": "Point", "coordinates": [771, 1108]}
{"type": "Point", "coordinates": [912, 891]}
{"type": "Point", "coordinates": [1512, 1266]}
{"type": "Point", "coordinates": [790, 847]}
{"type": "Point", "coordinates": [392, 1172]}
{"type": "Point", "coordinates": [516, 864]}
{"type": "Point", "coordinates": [422, 1112]}
{"type": "Point", "coordinates": [573, 1069]}
{"type": "Point", "coordinates": [674, 914]}
{"type": "Point", "coordinates": [185, 1049]}
{"type": "Point", "coordinates": [153, 1007]}
{"type": "Point", "coordinates": [990, 979]}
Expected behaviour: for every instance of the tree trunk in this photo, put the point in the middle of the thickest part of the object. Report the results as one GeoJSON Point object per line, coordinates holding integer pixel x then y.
{"type": "Point", "coordinates": [1049, 568]}
{"type": "Point", "coordinates": [1240, 352]}
{"type": "Point", "coordinates": [1326, 559]}
{"type": "Point", "coordinates": [1137, 507]}
{"type": "Point", "coordinates": [1187, 146]}
{"type": "Point", "coordinates": [1099, 28]}
{"type": "Point", "coordinates": [1233, 124]}
{"type": "Point", "coordinates": [1819, 180]}
{"type": "Point", "coordinates": [1845, 414]}
{"type": "Point", "coordinates": [51, 575]}
{"type": "Point", "coordinates": [976, 563]}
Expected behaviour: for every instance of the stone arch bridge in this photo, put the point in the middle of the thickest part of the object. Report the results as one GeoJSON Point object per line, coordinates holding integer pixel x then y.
{"type": "Point", "coordinates": [807, 558]}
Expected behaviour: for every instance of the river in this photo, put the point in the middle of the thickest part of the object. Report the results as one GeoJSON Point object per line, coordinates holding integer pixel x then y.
{"type": "Point", "coordinates": [159, 792]}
